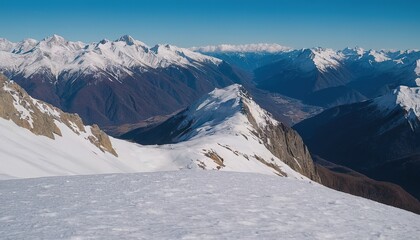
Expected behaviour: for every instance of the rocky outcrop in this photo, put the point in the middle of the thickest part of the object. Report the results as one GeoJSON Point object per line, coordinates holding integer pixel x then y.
{"type": "Point", "coordinates": [43, 119]}
{"type": "Point", "coordinates": [286, 144]}
{"type": "Point", "coordinates": [101, 140]}
{"type": "Point", "coordinates": [18, 106]}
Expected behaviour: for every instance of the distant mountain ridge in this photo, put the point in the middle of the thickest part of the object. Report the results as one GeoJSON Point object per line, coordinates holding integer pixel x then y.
{"type": "Point", "coordinates": [325, 77]}
{"type": "Point", "coordinates": [112, 82]}
{"type": "Point", "coordinates": [243, 48]}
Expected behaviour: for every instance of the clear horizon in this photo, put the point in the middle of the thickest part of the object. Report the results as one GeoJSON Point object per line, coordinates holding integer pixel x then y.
{"type": "Point", "coordinates": [375, 24]}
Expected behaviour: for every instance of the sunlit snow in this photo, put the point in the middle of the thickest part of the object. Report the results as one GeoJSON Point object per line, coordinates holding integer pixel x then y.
{"type": "Point", "coordinates": [192, 205]}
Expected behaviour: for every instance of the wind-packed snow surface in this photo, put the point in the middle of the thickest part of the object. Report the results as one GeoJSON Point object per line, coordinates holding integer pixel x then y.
{"type": "Point", "coordinates": [192, 205]}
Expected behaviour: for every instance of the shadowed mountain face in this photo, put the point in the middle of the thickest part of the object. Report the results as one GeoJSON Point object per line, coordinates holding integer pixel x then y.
{"type": "Point", "coordinates": [114, 82]}
{"type": "Point", "coordinates": [347, 180]}
{"type": "Point", "coordinates": [379, 138]}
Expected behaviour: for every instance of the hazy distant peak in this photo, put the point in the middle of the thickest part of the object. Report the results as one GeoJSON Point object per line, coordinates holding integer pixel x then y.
{"type": "Point", "coordinates": [54, 39]}
{"type": "Point", "coordinates": [258, 47]}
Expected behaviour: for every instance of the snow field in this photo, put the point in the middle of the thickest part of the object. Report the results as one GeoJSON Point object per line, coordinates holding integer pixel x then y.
{"type": "Point", "coordinates": [192, 205]}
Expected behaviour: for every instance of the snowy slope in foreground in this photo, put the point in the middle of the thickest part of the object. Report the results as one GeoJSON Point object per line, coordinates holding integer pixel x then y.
{"type": "Point", "coordinates": [192, 205]}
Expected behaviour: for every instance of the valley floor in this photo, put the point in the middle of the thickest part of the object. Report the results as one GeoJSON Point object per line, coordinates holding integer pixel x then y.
{"type": "Point", "coordinates": [192, 204]}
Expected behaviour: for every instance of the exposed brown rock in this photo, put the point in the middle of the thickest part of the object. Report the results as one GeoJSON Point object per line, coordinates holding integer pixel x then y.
{"type": "Point", "coordinates": [271, 165]}
{"type": "Point", "coordinates": [42, 124]}
{"type": "Point", "coordinates": [215, 157]}
{"type": "Point", "coordinates": [42, 116]}
{"type": "Point", "coordinates": [286, 144]}
{"type": "Point", "coordinates": [102, 140]}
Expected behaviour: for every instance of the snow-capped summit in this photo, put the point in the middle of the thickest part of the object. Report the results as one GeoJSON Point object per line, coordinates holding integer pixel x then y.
{"type": "Point", "coordinates": [243, 48]}
{"type": "Point", "coordinates": [127, 39]}
{"type": "Point", "coordinates": [230, 128]}
{"type": "Point", "coordinates": [217, 112]}
{"type": "Point", "coordinates": [54, 39]}
{"type": "Point", "coordinates": [321, 58]}
{"type": "Point", "coordinates": [379, 56]}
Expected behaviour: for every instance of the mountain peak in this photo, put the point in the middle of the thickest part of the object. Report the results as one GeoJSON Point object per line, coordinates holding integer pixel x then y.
{"type": "Point", "coordinates": [104, 41]}
{"type": "Point", "coordinates": [222, 111]}
{"type": "Point", "coordinates": [127, 39]}
{"type": "Point", "coordinates": [54, 39]}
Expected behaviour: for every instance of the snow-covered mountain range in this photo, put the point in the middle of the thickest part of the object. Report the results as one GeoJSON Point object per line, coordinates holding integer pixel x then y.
{"type": "Point", "coordinates": [112, 82]}
{"type": "Point", "coordinates": [244, 48]}
{"type": "Point", "coordinates": [322, 76]}
{"type": "Point", "coordinates": [59, 56]}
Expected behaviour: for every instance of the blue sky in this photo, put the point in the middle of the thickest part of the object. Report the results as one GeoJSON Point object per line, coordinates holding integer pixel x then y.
{"type": "Point", "coordinates": [297, 23]}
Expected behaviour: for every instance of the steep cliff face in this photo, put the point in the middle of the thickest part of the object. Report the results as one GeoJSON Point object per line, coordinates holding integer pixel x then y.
{"type": "Point", "coordinates": [286, 144]}
{"type": "Point", "coordinates": [43, 119]}
{"type": "Point", "coordinates": [230, 118]}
